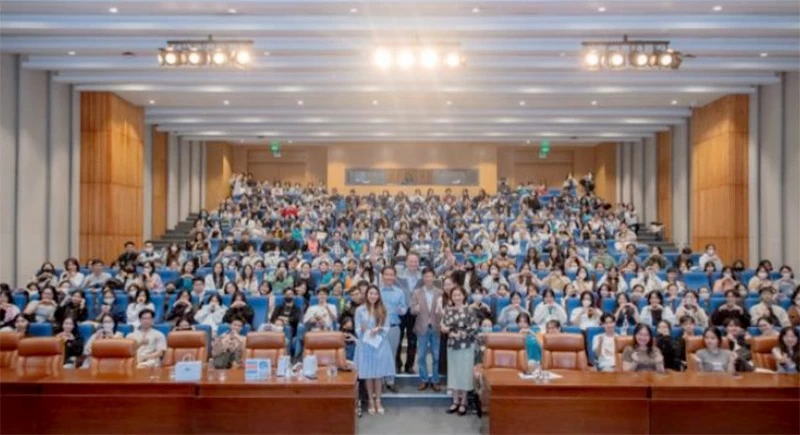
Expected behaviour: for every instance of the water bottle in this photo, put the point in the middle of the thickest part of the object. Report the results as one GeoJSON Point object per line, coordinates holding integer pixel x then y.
{"type": "Point", "coordinates": [625, 326]}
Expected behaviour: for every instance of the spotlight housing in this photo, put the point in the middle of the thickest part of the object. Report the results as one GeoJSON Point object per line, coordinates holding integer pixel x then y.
{"type": "Point", "coordinates": [206, 53]}
{"type": "Point", "coordinates": [410, 56]}
{"type": "Point", "coordinates": [629, 54]}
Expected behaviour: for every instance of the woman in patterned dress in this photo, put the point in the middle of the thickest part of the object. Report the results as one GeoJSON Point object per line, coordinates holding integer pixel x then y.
{"type": "Point", "coordinates": [461, 327]}
{"type": "Point", "coordinates": [374, 358]}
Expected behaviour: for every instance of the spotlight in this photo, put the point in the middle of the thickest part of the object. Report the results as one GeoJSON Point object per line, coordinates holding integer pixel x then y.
{"type": "Point", "coordinates": [382, 58]}
{"type": "Point", "coordinates": [453, 60]}
{"type": "Point", "coordinates": [592, 59]}
{"type": "Point", "coordinates": [405, 59]}
{"type": "Point", "coordinates": [195, 58]}
{"type": "Point", "coordinates": [429, 58]}
{"type": "Point", "coordinates": [615, 59]}
{"type": "Point", "coordinates": [665, 59]}
{"type": "Point", "coordinates": [219, 58]}
{"type": "Point", "coordinates": [243, 57]}
{"type": "Point", "coordinates": [638, 59]}
{"type": "Point", "coordinates": [171, 58]}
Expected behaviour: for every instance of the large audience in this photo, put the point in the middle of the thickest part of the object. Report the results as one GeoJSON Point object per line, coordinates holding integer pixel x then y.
{"type": "Point", "coordinates": [433, 272]}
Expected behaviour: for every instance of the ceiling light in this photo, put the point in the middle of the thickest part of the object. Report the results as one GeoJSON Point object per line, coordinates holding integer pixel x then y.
{"type": "Point", "coordinates": [171, 58]}
{"type": "Point", "coordinates": [429, 58]}
{"type": "Point", "coordinates": [765, 54]}
{"type": "Point", "coordinates": [449, 103]}
{"type": "Point", "coordinates": [601, 9]}
{"type": "Point", "coordinates": [353, 10]}
{"type": "Point", "coordinates": [374, 102]}
{"type": "Point", "coordinates": [522, 103]}
{"type": "Point", "coordinates": [405, 59]}
{"type": "Point", "coordinates": [631, 54]}
{"type": "Point", "coordinates": [476, 10]}
{"type": "Point", "coordinates": [243, 57]}
{"type": "Point", "coordinates": [152, 101]}
{"type": "Point", "coordinates": [231, 11]}
{"type": "Point", "coordinates": [219, 58]}
{"type": "Point", "coordinates": [113, 9]}
{"type": "Point", "coordinates": [615, 59]}
{"type": "Point", "coordinates": [195, 57]}
{"type": "Point", "coordinates": [71, 53]}
{"type": "Point", "coordinates": [674, 102]}
{"type": "Point", "coordinates": [453, 59]}
{"type": "Point", "coordinates": [666, 59]}
{"type": "Point", "coordinates": [638, 58]}
{"type": "Point", "coordinates": [382, 58]}
{"type": "Point", "coordinates": [226, 102]}
{"type": "Point", "coordinates": [717, 8]}
{"type": "Point", "coordinates": [206, 52]}
{"type": "Point", "coordinates": [592, 59]}
{"type": "Point", "coordinates": [299, 102]}
{"type": "Point", "coordinates": [594, 102]}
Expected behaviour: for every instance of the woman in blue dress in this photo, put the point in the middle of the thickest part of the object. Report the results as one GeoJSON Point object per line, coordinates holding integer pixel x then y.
{"type": "Point", "coordinates": [374, 359]}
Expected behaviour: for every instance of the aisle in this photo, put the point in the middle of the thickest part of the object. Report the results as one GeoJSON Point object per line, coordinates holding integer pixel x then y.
{"type": "Point", "coordinates": [408, 420]}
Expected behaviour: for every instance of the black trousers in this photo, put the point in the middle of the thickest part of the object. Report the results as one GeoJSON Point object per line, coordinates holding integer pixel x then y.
{"type": "Point", "coordinates": [407, 330]}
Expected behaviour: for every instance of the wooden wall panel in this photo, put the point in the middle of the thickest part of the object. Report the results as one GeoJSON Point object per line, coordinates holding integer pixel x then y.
{"type": "Point", "coordinates": [719, 191]}
{"type": "Point", "coordinates": [219, 164]}
{"type": "Point", "coordinates": [160, 175]}
{"type": "Point", "coordinates": [112, 152]}
{"type": "Point", "coordinates": [664, 181]}
{"type": "Point", "coordinates": [605, 171]}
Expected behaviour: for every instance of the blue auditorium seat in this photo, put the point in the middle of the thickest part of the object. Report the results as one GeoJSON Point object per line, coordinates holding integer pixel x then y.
{"type": "Point", "coordinates": [125, 329]}
{"type": "Point", "coordinates": [260, 305]}
{"type": "Point", "coordinates": [591, 332]}
{"type": "Point", "coordinates": [571, 329]}
{"type": "Point", "coordinates": [499, 304]}
{"type": "Point", "coordinates": [163, 327]}
{"type": "Point", "coordinates": [223, 328]}
{"type": "Point", "coordinates": [20, 300]}
{"type": "Point", "coordinates": [85, 330]}
{"type": "Point", "coordinates": [571, 304]}
{"type": "Point", "coordinates": [608, 305]}
{"type": "Point", "coordinates": [40, 330]}
{"type": "Point", "coordinates": [158, 302]}
{"type": "Point", "coordinates": [695, 280]}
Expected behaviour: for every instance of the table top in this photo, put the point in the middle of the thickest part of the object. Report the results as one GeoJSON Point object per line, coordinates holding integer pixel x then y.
{"type": "Point", "coordinates": [584, 379]}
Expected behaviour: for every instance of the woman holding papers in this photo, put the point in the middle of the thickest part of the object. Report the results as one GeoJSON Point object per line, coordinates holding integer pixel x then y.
{"type": "Point", "coordinates": [374, 358]}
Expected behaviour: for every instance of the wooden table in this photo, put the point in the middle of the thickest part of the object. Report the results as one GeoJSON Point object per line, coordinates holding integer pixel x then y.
{"type": "Point", "coordinates": [149, 402]}
{"type": "Point", "coordinates": [592, 402]}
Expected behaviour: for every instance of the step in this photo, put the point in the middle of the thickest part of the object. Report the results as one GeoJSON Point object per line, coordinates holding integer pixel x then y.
{"type": "Point", "coordinates": [409, 395]}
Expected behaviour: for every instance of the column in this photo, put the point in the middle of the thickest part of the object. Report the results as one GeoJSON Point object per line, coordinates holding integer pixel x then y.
{"type": "Point", "coordinates": [9, 89]}
{"type": "Point", "coordinates": [173, 167]}
{"type": "Point", "coordinates": [650, 166]}
{"type": "Point", "coordinates": [771, 236]}
{"type": "Point", "coordinates": [184, 178]}
{"type": "Point", "coordinates": [195, 174]}
{"type": "Point", "coordinates": [147, 187]}
{"type": "Point", "coordinates": [791, 174]}
{"type": "Point", "coordinates": [637, 179]}
{"type": "Point", "coordinates": [681, 173]}
{"type": "Point", "coordinates": [627, 172]}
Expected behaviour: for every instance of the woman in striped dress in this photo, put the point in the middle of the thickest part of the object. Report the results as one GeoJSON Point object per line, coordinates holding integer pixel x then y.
{"type": "Point", "coordinates": [374, 358]}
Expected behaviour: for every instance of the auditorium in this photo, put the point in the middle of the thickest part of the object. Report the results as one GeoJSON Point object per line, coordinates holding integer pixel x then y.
{"type": "Point", "coordinates": [400, 217]}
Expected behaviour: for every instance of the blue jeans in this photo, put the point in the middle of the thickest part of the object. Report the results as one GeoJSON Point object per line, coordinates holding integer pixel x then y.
{"type": "Point", "coordinates": [428, 342]}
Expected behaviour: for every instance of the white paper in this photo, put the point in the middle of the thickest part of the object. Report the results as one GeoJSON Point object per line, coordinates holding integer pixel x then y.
{"type": "Point", "coordinates": [373, 340]}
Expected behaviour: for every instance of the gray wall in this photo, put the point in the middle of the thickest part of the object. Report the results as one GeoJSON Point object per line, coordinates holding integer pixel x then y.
{"type": "Point", "coordinates": [37, 171]}
{"type": "Point", "coordinates": [791, 170]}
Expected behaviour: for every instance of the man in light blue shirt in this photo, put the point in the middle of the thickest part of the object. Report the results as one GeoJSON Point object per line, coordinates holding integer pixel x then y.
{"type": "Point", "coordinates": [396, 306]}
{"type": "Point", "coordinates": [409, 279]}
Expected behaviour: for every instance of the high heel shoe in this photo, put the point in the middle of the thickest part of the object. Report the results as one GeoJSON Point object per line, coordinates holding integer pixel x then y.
{"type": "Point", "coordinates": [452, 409]}
{"type": "Point", "coordinates": [371, 407]}
{"type": "Point", "coordinates": [379, 407]}
{"type": "Point", "coordinates": [462, 410]}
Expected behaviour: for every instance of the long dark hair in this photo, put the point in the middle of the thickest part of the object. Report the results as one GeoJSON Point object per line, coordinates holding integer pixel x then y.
{"type": "Point", "coordinates": [650, 342]}
{"type": "Point", "coordinates": [794, 353]}
{"type": "Point", "coordinates": [378, 310]}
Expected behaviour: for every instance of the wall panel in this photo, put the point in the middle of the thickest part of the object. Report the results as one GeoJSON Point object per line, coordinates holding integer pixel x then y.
{"type": "Point", "coordinates": [605, 171]}
{"type": "Point", "coordinates": [112, 147]}
{"type": "Point", "coordinates": [160, 168]}
{"type": "Point", "coordinates": [719, 191]}
{"type": "Point", "coordinates": [8, 169]}
{"type": "Point", "coordinates": [218, 172]}
{"type": "Point", "coordinates": [664, 183]}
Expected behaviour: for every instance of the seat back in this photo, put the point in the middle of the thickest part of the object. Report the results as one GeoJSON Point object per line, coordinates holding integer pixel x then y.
{"type": "Point", "coordinates": [113, 356]}
{"type": "Point", "coordinates": [267, 345]}
{"type": "Point", "coordinates": [40, 356]}
{"type": "Point", "coordinates": [695, 343]}
{"type": "Point", "coordinates": [186, 346]}
{"type": "Point", "coordinates": [620, 343]}
{"type": "Point", "coordinates": [564, 351]}
{"type": "Point", "coordinates": [327, 346]}
{"type": "Point", "coordinates": [761, 348]}
{"type": "Point", "coordinates": [9, 341]}
{"type": "Point", "coordinates": [505, 350]}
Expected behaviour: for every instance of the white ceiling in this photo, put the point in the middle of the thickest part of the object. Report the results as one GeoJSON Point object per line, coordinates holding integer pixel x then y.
{"type": "Point", "coordinates": [523, 79]}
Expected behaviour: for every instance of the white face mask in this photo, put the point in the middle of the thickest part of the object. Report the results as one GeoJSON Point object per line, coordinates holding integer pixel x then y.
{"type": "Point", "coordinates": [586, 303]}
{"type": "Point", "coordinates": [477, 297]}
{"type": "Point", "coordinates": [787, 275]}
{"type": "Point", "coordinates": [728, 275]}
{"type": "Point", "coordinates": [762, 275]}
{"type": "Point", "coordinates": [109, 301]}
{"type": "Point", "coordinates": [108, 327]}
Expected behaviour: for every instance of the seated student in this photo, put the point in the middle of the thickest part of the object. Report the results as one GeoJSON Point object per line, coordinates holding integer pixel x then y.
{"type": "Point", "coordinates": [228, 349]}
{"type": "Point", "coordinates": [72, 274]}
{"type": "Point", "coordinates": [726, 282]}
{"type": "Point", "coordinates": [216, 280]}
{"type": "Point", "coordinates": [151, 344]}
{"type": "Point", "coordinates": [604, 346]}
{"type": "Point", "coordinates": [478, 305]}
{"type": "Point", "coordinates": [322, 316]}
{"type": "Point", "coordinates": [20, 324]}
{"type": "Point", "coordinates": [239, 308]}
{"type": "Point", "coordinates": [184, 324]}
{"type": "Point", "coordinates": [689, 307]}
{"type": "Point", "coordinates": [8, 311]}
{"type": "Point", "coordinates": [183, 307]}
{"type": "Point", "coordinates": [140, 303]}
{"type": "Point", "coordinates": [656, 311]}
{"type": "Point", "coordinates": [666, 345]}
{"type": "Point", "coordinates": [106, 329]}
{"type": "Point", "coordinates": [211, 312]}
{"type": "Point", "coordinates": [768, 308]}
{"type": "Point", "coordinates": [732, 308]}
{"type": "Point", "coordinates": [347, 327]}
{"type": "Point", "coordinates": [107, 304]}
{"type": "Point", "coordinates": [289, 312]}
{"type": "Point", "coordinates": [150, 279]}
{"type": "Point", "coordinates": [767, 327]}
{"type": "Point", "coordinates": [738, 340]}
{"type": "Point", "coordinates": [626, 313]}
{"type": "Point", "coordinates": [509, 315]}
{"type": "Point", "coordinates": [787, 352]}
{"type": "Point", "coordinates": [552, 327]}
{"type": "Point", "coordinates": [73, 342]}
{"type": "Point", "coordinates": [794, 310]}
{"type": "Point", "coordinates": [786, 285]}
{"type": "Point", "coordinates": [532, 346]}
{"type": "Point", "coordinates": [687, 325]}
{"type": "Point", "coordinates": [713, 358]}
{"type": "Point", "coordinates": [760, 281]}
{"type": "Point", "coordinates": [44, 309]}
{"type": "Point", "coordinates": [587, 315]}
{"type": "Point", "coordinates": [643, 355]}
{"type": "Point", "coordinates": [549, 310]}
{"type": "Point", "coordinates": [74, 306]}
{"type": "Point", "coordinates": [98, 278]}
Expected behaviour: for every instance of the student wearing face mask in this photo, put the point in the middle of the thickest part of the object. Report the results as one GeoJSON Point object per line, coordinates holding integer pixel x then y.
{"type": "Point", "coordinates": [786, 284]}
{"type": "Point", "coordinates": [549, 310]}
{"type": "Point", "coordinates": [108, 305]}
{"type": "Point", "coordinates": [289, 312]}
{"type": "Point", "coordinates": [150, 279]}
{"type": "Point", "coordinates": [710, 256]}
{"type": "Point", "coordinates": [689, 307]}
{"type": "Point", "coordinates": [211, 312]}
{"type": "Point", "coordinates": [509, 314]}
{"type": "Point", "coordinates": [759, 281]}
{"type": "Point", "coordinates": [726, 282]}
{"type": "Point", "coordinates": [493, 280]}
{"type": "Point", "coordinates": [148, 254]}
{"type": "Point", "coordinates": [467, 278]}
{"type": "Point", "coordinates": [106, 330]}
{"type": "Point", "coordinates": [768, 308]}
{"type": "Point", "coordinates": [587, 315]}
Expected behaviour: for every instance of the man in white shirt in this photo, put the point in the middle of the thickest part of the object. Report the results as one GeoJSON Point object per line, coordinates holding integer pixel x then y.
{"type": "Point", "coordinates": [603, 345]}
{"type": "Point", "coordinates": [320, 317]}
{"type": "Point", "coordinates": [768, 308]}
{"type": "Point", "coordinates": [98, 278]}
{"type": "Point", "coordinates": [150, 343]}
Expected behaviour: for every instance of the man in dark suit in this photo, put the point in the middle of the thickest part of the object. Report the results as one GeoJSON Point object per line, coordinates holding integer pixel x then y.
{"type": "Point", "coordinates": [409, 278]}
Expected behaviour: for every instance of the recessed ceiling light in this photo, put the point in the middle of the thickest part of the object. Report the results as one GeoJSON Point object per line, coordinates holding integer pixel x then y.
{"type": "Point", "coordinates": [522, 103]}
{"type": "Point", "coordinates": [353, 10]}
{"type": "Point", "coordinates": [299, 102]}
{"type": "Point", "coordinates": [71, 53]}
{"type": "Point", "coordinates": [528, 141]}
{"type": "Point", "coordinates": [267, 53]}
{"type": "Point", "coordinates": [674, 102]}
{"type": "Point", "coordinates": [601, 9]}
{"type": "Point", "coordinates": [290, 141]}
{"type": "Point", "coordinates": [241, 140]}
{"type": "Point", "coordinates": [113, 9]}
{"type": "Point", "coordinates": [717, 8]}
{"type": "Point", "coordinates": [374, 102]}
{"type": "Point", "coordinates": [594, 102]}
{"type": "Point", "coordinates": [765, 54]}
{"type": "Point", "coordinates": [226, 102]}
{"type": "Point", "coordinates": [449, 103]}
{"type": "Point", "coordinates": [231, 11]}
{"type": "Point", "coordinates": [476, 10]}
{"type": "Point", "coordinates": [562, 54]}
{"type": "Point", "coordinates": [152, 101]}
